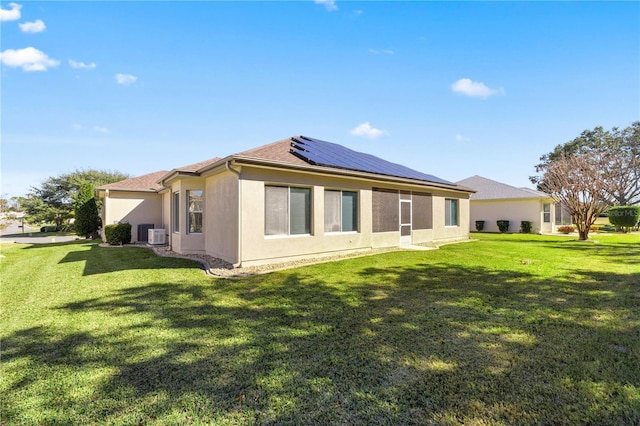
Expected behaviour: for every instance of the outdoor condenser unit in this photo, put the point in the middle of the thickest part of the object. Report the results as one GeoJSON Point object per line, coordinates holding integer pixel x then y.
{"type": "Point", "coordinates": [156, 236]}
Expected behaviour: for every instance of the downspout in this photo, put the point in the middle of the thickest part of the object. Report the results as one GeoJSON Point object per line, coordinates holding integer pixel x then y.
{"type": "Point", "coordinates": [237, 173]}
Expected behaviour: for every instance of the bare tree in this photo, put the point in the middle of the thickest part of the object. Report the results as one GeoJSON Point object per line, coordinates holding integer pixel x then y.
{"type": "Point", "coordinates": [579, 183]}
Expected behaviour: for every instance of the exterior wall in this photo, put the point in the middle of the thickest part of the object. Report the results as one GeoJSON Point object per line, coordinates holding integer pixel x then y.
{"type": "Point", "coordinates": [513, 210]}
{"type": "Point", "coordinates": [234, 216]}
{"type": "Point", "coordinates": [182, 241]}
{"type": "Point", "coordinates": [443, 233]}
{"type": "Point", "coordinates": [133, 207]}
{"type": "Point", "coordinates": [256, 248]}
{"type": "Point", "coordinates": [221, 225]}
{"type": "Point", "coordinates": [166, 212]}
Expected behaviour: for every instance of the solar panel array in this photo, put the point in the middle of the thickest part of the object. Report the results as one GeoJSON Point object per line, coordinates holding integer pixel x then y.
{"type": "Point", "coordinates": [322, 153]}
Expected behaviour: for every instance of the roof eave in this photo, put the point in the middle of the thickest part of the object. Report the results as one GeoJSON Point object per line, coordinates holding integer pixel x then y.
{"type": "Point", "coordinates": [343, 172]}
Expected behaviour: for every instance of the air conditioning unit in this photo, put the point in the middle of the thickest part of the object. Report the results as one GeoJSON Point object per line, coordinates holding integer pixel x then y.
{"type": "Point", "coordinates": [156, 236]}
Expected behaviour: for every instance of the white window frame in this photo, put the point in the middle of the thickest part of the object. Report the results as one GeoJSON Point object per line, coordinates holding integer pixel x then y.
{"type": "Point", "coordinates": [309, 219]}
{"type": "Point", "coordinates": [448, 202]}
{"type": "Point", "coordinates": [341, 198]}
{"type": "Point", "coordinates": [191, 211]}
{"type": "Point", "coordinates": [175, 211]}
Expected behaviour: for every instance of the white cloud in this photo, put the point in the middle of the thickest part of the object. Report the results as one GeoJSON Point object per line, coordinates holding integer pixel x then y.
{"type": "Point", "coordinates": [125, 79]}
{"type": "Point", "coordinates": [100, 129]}
{"type": "Point", "coordinates": [12, 14]}
{"type": "Point", "coordinates": [472, 88]}
{"type": "Point", "coordinates": [33, 27]}
{"type": "Point", "coordinates": [382, 52]}
{"type": "Point", "coordinates": [81, 65]}
{"type": "Point", "coordinates": [29, 59]}
{"type": "Point", "coordinates": [365, 129]}
{"type": "Point", "coordinates": [461, 138]}
{"type": "Point", "coordinates": [330, 5]}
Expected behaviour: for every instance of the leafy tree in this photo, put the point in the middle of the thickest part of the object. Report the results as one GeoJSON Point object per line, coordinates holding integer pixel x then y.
{"type": "Point", "coordinates": [53, 201]}
{"type": "Point", "coordinates": [86, 211]}
{"type": "Point", "coordinates": [619, 151]}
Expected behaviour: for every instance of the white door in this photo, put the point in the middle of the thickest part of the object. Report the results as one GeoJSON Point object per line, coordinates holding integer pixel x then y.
{"type": "Point", "coordinates": [405, 222]}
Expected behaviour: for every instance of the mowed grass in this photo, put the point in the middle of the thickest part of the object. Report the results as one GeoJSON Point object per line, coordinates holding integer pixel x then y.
{"type": "Point", "coordinates": [509, 329]}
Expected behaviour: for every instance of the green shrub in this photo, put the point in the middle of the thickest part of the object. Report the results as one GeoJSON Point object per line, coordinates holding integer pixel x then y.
{"type": "Point", "coordinates": [503, 225]}
{"type": "Point", "coordinates": [526, 226]}
{"type": "Point", "coordinates": [479, 225]}
{"type": "Point", "coordinates": [86, 211]}
{"type": "Point", "coordinates": [118, 234]}
{"type": "Point", "coordinates": [624, 217]}
{"type": "Point", "coordinates": [566, 229]}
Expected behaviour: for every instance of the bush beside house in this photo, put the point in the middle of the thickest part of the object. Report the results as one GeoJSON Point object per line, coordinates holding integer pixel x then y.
{"type": "Point", "coordinates": [118, 234]}
{"type": "Point", "coordinates": [503, 225]}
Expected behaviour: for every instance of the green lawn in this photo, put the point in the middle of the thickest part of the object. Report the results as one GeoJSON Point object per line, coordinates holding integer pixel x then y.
{"type": "Point", "coordinates": [509, 329]}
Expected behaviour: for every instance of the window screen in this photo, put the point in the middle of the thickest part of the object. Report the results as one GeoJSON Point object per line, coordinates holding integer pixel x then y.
{"type": "Point", "coordinates": [385, 210]}
{"type": "Point", "coordinates": [422, 211]}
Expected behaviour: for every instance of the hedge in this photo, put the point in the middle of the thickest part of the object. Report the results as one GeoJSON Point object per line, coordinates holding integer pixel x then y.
{"type": "Point", "coordinates": [624, 217]}
{"type": "Point", "coordinates": [118, 234]}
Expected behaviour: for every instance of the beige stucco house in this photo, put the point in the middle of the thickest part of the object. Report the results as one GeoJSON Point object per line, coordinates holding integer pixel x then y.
{"type": "Point", "coordinates": [495, 201]}
{"type": "Point", "coordinates": [294, 198]}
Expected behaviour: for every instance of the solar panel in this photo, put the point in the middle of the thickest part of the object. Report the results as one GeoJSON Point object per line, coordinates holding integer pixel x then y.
{"type": "Point", "coordinates": [322, 153]}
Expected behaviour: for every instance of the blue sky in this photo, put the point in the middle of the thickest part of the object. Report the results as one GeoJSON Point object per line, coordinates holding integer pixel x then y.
{"type": "Point", "coordinates": [452, 89]}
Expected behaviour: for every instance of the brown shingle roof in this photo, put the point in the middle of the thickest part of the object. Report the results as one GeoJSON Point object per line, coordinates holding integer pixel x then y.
{"type": "Point", "coordinates": [276, 151]}
{"type": "Point", "coordinates": [197, 166]}
{"type": "Point", "coordinates": [148, 183]}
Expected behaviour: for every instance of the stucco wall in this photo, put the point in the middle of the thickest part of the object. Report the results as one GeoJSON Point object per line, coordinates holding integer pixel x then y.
{"type": "Point", "coordinates": [514, 211]}
{"type": "Point", "coordinates": [221, 216]}
{"type": "Point", "coordinates": [257, 248]}
{"type": "Point", "coordinates": [182, 241]}
{"type": "Point", "coordinates": [133, 207]}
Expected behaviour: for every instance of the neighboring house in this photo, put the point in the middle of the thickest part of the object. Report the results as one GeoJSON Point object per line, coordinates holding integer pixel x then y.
{"type": "Point", "coordinates": [495, 201]}
{"type": "Point", "coordinates": [294, 198]}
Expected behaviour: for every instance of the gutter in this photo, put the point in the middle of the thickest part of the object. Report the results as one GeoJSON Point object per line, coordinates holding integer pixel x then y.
{"type": "Point", "coordinates": [237, 173]}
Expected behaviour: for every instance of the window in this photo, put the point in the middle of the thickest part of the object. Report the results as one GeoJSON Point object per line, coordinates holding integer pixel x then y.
{"type": "Point", "coordinates": [546, 213]}
{"type": "Point", "coordinates": [340, 211]}
{"type": "Point", "coordinates": [194, 207]}
{"type": "Point", "coordinates": [563, 217]}
{"type": "Point", "coordinates": [287, 210]}
{"type": "Point", "coordinates": [176, 212]}
{"type": "Point", "coordinates": [450, 212]}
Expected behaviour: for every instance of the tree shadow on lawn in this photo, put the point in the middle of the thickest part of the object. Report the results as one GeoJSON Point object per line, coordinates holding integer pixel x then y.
{"type": "Point", "coordinates": [102, 260]}
{"type": "Point", "coordinates": [407, 345]}
{"type": "Point", "coordinates": [621, 253]}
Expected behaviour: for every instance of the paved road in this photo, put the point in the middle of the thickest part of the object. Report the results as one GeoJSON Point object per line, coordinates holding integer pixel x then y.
{"type": "Point", "coordinates": [13, 234]}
